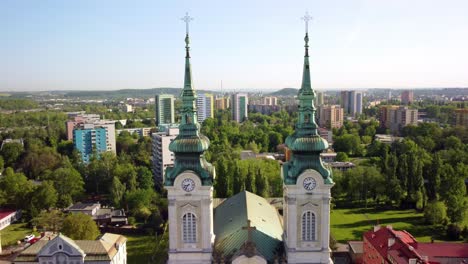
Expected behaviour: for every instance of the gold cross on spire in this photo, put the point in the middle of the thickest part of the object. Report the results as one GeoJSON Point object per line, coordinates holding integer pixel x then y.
{"type": "Point", "coordinates": [306, 19]}
{"type": "Point", "coordinates": [187, 20]}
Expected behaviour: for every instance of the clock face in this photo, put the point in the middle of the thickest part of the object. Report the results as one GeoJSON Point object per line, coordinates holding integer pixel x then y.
{"type": "Point", "coordinates": [309, 183]}
{"type": "Point", "coordinates": [188, 185]}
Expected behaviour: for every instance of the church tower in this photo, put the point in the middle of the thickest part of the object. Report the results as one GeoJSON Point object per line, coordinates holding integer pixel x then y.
{"type": "Point", "coordinates": [189, 183]}
{"type": "Point", "coordinates": [306, 182]}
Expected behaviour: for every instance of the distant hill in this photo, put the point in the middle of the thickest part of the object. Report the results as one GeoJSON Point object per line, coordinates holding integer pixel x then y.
{"type": "Point", "coordinates": [285, 92]}
{"type": "Point", "coordinates": [109, 94]}
{"type": "Point", "coordinates": [121, 94]}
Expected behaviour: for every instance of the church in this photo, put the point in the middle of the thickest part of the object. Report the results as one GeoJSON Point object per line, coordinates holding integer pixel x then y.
{"type": "Point", "coordinates": [247, 228]}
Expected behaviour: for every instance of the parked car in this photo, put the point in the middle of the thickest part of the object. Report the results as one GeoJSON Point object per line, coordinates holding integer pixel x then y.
{"type": "Point", "coordinates": [29, 238]}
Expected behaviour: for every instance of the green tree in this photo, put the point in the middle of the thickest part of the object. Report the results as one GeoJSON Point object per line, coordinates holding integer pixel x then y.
{"type": "Point", "coordinates": [139, 202]}
{"type": "Point", "coordinates": [80, 227]}
{"type": "Point", "coordinates": [2, 164]}
{"type": "Point", "coordinates": [68, 183]}
{"type": "Point", "coordinates": [43, 197]}
{"type": "Point", "coordinates": [11, 153]}
{"type": "Point", "coordinates": [127, 175]}
{"type": "Point", "coordinates": [435, 212]}
{"type": "Point", "coordinates": [341, 156]}
{"type": "Point", "coordinates": [117, 192]}
{"type": "Point", "coordinates": [223, 184]}
{"type": "Point", "coordinates": [16, 189]}
{"type": "Point", "coordinates": [100, 172]}
{"type": "Point", "coordinates": [50, 220]}
{"type": "Point", "coordinates": [261, 184]}
{"type": "Point", "coordinates": [433, 177]}
{"type": "Point", "coordinates": [145, 178]}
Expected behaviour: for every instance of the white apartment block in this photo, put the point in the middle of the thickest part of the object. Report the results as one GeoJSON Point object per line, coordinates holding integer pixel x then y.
{"type": "Point", "coordinates": [161, 156]}
{"type": "Point", "coordinates": [205, 107]}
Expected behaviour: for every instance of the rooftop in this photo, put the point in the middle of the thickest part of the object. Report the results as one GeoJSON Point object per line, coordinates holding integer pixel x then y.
{"type": "Point", "coordinates": [231, 217]}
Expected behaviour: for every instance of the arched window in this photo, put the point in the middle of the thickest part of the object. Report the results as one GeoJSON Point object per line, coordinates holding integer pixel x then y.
{"type": "Point", "coordinates": [308, 226]}
{"type": "Point", "coordinates": [189, 228]}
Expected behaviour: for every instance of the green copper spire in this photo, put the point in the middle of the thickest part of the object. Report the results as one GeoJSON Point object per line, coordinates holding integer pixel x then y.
{"type": "Point", "coordinates": [189, 146]}
{"type": "Point", "coordinates": [305, 143]}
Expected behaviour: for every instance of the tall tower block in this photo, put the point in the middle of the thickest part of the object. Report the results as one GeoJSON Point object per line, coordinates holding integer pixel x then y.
{"type": "Point", "coordinates": [189, 183]}
{"type": "Point", "coordinates": [306, 183]}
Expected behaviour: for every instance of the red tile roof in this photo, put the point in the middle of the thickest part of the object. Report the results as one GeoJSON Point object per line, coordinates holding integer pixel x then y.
{"type": "Point", "coordinates": [4, 213]}
{"type": "Point", "coordinates": [440, 249]}
{"type": "Point", "coordinates": [406, 247]}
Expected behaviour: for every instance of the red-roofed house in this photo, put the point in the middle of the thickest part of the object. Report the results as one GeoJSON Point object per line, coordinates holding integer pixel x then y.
{"type": "Point", "coordinates": [385, 245]}
{"type": "Point", "coordinates": [8, 216]}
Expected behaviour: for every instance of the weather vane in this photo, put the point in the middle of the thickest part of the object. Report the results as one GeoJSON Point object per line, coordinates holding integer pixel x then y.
{"type": "Point", "coordinates": [306, 19]}
{"type": "Point", "coordinates": [187, 20]}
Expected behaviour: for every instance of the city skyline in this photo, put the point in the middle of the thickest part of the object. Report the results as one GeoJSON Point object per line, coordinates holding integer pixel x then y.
{"type": "Point", "coordinates": [110, 45]}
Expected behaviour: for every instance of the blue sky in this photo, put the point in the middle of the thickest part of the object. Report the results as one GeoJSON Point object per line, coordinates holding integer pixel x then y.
{"type": "Point", "coordinates": [112, 44]}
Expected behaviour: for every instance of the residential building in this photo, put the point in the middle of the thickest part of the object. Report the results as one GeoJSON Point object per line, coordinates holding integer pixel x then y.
{"type": "Point", "coordinates": [205, 107]}
{"type": "Point", "coordinates": [222, 103]}
{"type": "Point", "coordinates": [239, 107]}
{"type": "Point", "coordinates": [403, 117]}
{"type": "Point", "coordinates": [164, 109]}
{"type": "Point", "coordinates": [58, 249]}
{"type": "Point", "coordinates": [102, 215]}
{"type": "Point", "coordinates": [351, 101]}
{"type": "Point", "coordinates": [318, 99]}
{"type": "Point", "coordinates": [127, 108]}
{"type": "Point", "coordinates": [326, 134]}
{"type": "Point", "coordinates": [162, 157]}
{"type": "Point", "coordinates": [328, 156]}
{"type": "Point", "coordinates": [396, 117]}
{"type": "Point", "coordinates": [383, 245]}
{"type": "Point", "coordinates": [461, 117]}
{"type": "Point", "coordinates": [270, 100]}
{"type": "Point", "coordinates": [264, 109]}
{"type": "Point", "coordinates": [7, 217]}
{"type": "Point", "coordinates": [342, 166]}
{"type": "Point", "coordinates": [387, 139]}
{"type": "Point", "coordinates": [385, 112]}
{"type": "Point", "coordinates": [141, 131]}
{"type": "Point", "coordinates": [407, 97]}
{"type": "Point", "coordinates": [12, 141]}
{"type": "Point", "coordinates": [77, 118]}
{"type": "Point", "coordinates": [331, 116]}
{"type": "Point", "coordinates": [90, 138]}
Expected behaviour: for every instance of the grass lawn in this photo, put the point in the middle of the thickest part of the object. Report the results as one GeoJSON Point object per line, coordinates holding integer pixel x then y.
{"type": "Point", "coordinates": [139, 248]}
{"type": "Point", "coordinates": [350, 224]}
{"type": "Point", "coordinates": [15, 232]}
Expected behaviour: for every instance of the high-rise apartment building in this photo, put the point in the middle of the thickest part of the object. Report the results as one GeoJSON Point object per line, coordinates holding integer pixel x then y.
{"type": "Point", "coordinates": [222, 103]}
{"type": "Point", "coordinates": [79, 118]}
{"type": "Point", "coordinates": [461, 117]}
{"type": "Point", "coordinates": [162, 157]}
{"type": "Point", "coordinates": [407, 97]}
{"type": "Point", "coordinates": [351, 101]}
{"type": "Point", "coordinates": [385, 115]}
{"type": "Point", "coordinates": [205, 107]}
{"type": "Point", "coordinates": [239, 102]}
{"type": "Point", "coordinates": [396, 117]}
{"type": "Point", "coordinates": [318, 99]}
{"type": "Point", "coordinates": [164, 109]}
{"type": "Point", "coordinates": [331, 116]}
{"type": "Point", "coordinates": [94, 138]}
{"type": "Point", "coordinates": [270, 100]}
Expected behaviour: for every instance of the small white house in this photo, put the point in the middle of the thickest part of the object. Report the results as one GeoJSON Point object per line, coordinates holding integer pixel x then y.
{"type": "Point", "coordinates": [8, 216]}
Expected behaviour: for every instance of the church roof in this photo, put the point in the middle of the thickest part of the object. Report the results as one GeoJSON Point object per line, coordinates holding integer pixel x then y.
{"type": "Point", "coordinates": [230, 220]}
